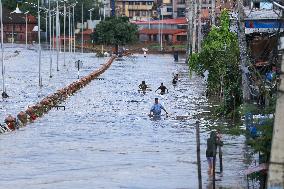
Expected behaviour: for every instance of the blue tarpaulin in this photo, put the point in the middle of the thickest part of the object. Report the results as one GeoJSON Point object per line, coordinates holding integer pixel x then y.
{"type": "Point", "coordinates": [264, 24]}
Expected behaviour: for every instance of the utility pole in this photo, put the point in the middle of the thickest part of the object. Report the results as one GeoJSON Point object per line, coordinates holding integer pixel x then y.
{"type": "Point", "coordinates": [69, 29]}
{"type": "Point", "coordinates": [189, 29]}
{"type": "Point", "coordinates": [57, 36]}
{"type": "Point", "coordinates": [244, 59]}
{"type": "Point", "coordinates": [198, 154]}
{"type": "Point", "coordinates": [39, 47]}
{"type": "Point", "coordinates": [74, 35]}
{"type": "Point", "coordinates": [199, 39]}
{"type": "Point", "coordinates": [64, 33]}
{"type": "Point", "coordinates": [82, 42]}
{"type": "Point", "coordinates": [174, 7]}
{"type": "Point", "coordinates": [2, 48]}
{"type": "Point", "coordinates": [50, 40]}
{"type": "Point", "coordinates": [194, 26]}
{"type": "Point", "coordinates": [213, 14]}
{"type": "Point", "coordinates": [276, 166]}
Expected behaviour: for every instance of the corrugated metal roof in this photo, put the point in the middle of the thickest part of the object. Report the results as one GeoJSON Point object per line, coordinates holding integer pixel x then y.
{"type": "Point", "coordinates": [176, 21]}
{"type": "Point", "coordinates": [136, 0]}
{"type": "Point", "coordinates": [254, 14]}
{"type": "Point", "coordinates": [164, 31]}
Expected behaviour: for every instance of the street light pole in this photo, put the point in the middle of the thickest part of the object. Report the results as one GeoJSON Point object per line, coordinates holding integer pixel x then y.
{"type": "Point", "coordinates": [91, 23]}
{"type": "Point", "coordinates": [69, 29]}
{"type": "Point", "coordinates": [46, 26]}
{"type": "Point", "coordinates": [162, 31]}
{"type": "Point", "coordinates": [12, 31]}
{"type": "Point", "coordinates": [64, 32]}
{"type": "Point", "coordinates": [57, 36]}
{"type": "Point", "coordinates": [2, 48]}
{"type": "Point", "coordinates": [53, 31]}
{"type": "Point", "coordinates": [82, 42]}
{"type": "Point", "coordinates": [104, 11]}
{"type": "Point", "coordinates": [12, 34]}
{"type": "Point", "coordinates": [161, 28]}
{"type": "Point", "coordinates": [50, 40]}
{"type": "Point", "coordinates": [74, 29]}
{"type": "Point", "coordinates": [26, 13]}
{"type": "Point", "coordinates": [39, 47]}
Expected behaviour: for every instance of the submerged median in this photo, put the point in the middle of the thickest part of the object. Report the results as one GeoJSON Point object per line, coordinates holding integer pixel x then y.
{"type": "Point", "coordinates": [42, 107]}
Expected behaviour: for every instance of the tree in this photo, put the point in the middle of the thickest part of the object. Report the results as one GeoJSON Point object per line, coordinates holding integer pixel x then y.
{"type": "Point", "coordinates": [219, 56]}
{"type": "Point", "coordinates": [115, 31]}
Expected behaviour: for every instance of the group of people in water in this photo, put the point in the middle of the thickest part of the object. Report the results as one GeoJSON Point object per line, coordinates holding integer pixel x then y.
{"type": "Point", "coordinates": [143, 87]}
{"type": "Point", "coordinates": [156, 109]}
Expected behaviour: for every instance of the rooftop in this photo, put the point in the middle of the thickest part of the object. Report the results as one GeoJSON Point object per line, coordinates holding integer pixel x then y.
{"type": "Point", "coordinates": [176, 21]}
{"type": "Point", "coordinates": [164, 31]}
{"type": "Point", "coordinates": [261, 14]}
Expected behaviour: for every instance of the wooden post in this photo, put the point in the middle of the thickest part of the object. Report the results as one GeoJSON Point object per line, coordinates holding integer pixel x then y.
{"type": "Point", "coordinates": [198, 155]}
{"type": "Point", "coordinates": [214, 163]}
{"type": "Point", "coordinates": [220, 159]}
{"type": "Point", "coordinates": [214, 166]}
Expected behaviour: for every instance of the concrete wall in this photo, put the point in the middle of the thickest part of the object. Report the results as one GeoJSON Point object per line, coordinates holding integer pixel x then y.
{"type": "Point", "coordinates": [276, 167]}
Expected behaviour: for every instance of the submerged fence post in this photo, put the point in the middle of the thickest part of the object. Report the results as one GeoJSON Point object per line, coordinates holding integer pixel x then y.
{"type": "Point", "coordinates": [220, 159]}
{"type": "Point", "coordinates": [198, 155]}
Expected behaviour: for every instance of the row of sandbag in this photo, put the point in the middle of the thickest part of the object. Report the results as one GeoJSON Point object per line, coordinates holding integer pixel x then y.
{"type": "Point", "coordinates": [46, 104]}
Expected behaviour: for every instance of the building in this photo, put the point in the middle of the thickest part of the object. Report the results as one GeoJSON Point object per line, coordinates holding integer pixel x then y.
{"type": "Point", "coordinates": [173, 31]}
{"type": "Point", "coordinates": [145, 9]}
{"type": "Point", "coordinates": [14, 27]}
{"type": "Point", "coordinates": [135, 9]}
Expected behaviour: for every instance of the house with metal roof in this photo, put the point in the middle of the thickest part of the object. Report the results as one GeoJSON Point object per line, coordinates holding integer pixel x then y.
{"type": "Point", "coordinates": [263, 21]}
{"type": "Point", "coordinates": [169, 30]}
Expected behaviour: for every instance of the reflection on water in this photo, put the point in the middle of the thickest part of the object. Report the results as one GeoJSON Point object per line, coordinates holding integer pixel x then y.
{"type": "Point", "coordinates": [105, 139]}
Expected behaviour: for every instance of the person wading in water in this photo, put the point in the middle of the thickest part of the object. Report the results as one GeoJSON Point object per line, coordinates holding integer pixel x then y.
{"type": "Point", "coordinates": [175, 79]}
{"type": "Point", "coordinates": [212, 142]}
{"type": "Point", "coordinates": [143, 87]}
{"type": "Point", "coordinates": [163, 89]}
{"type": "Point", "coordinates": [156, 109]}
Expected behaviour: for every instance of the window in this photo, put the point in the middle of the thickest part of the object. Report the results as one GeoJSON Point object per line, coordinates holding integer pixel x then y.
{"type": "Point", "coordinates": [180, 12]}
{"type": "Point", "coordinates": [169, 9]}
{"type": "Point", "coordinates": [137, 3]}
{"type": "Point", "coordinates": [144, 3]}
{"type": "Point", "coordinates": [137, 13]}
{"type": "Point", "coordinates": [181, 26]}
{"type": "Point", "coordinates": [256, 5]}
{"type": "Point", "coordinates": [130, 14]}
{"type": "Point", "coordinates": [149, 3]}
{"type": "Point", "coordinates": [130, 2]}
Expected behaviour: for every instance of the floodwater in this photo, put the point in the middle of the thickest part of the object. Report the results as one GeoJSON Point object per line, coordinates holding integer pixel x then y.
{"type": "Point", "coordinates": [104, 138]}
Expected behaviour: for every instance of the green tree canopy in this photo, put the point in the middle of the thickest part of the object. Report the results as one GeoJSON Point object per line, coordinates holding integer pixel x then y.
{"type": "Point", "coordinates": [220, 56]}
{"type": "Point", "coordinates": [116, 31]}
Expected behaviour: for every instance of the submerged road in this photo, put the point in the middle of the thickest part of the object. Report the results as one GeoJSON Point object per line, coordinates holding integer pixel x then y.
{"type": "Point", "coordinates": [104, 138]}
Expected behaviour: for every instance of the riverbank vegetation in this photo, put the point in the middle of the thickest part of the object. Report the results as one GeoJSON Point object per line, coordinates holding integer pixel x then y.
{"type": "Point", "coordinates": [219, 57]}
{"type": "Point", "coordinates": [218, 61]}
